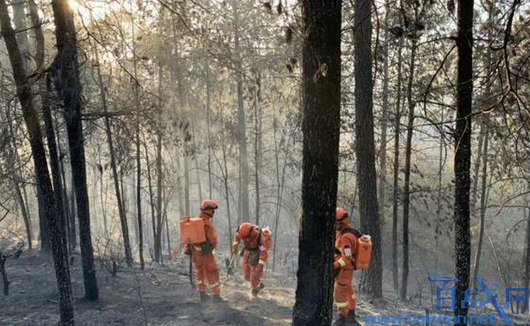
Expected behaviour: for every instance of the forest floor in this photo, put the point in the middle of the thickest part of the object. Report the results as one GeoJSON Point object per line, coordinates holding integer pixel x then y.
{"type": "Point", "coordinates": [159, 295]}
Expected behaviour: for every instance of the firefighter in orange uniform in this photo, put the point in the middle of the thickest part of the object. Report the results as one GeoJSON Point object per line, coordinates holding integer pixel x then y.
{"type": "Point", "coordinates": [344, 264]}
{"type": "Point", "coordinates": [257, 242]}
{"type": "Point", "coordinates": [206, 271]}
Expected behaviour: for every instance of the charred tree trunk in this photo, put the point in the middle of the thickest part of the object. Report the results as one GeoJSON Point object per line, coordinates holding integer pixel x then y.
{"type": "Point", "coordinates": [3, 273]}
{"type": "Point", "coordinates": [54, 158]}
{"type": "Point", "coordinates": [321, 122]}
{"type": "Point", "coordinates": [406, 186]}
{"type": "Point", "coordinates": [69, 88]}
{"type": "Point", "coordinates": [463, 149]}
{"type": "Point", "coordinates": [365, 147]}
{"type": "Point", "coordinates": [60, 254]}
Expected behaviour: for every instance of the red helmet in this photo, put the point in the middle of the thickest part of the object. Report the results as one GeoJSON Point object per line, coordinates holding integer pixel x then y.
{"type": "Point", "coordinates": [244, 229]}
{"type": "Point", "coordinates": [208, 204]}
{"type": "Point", "coordinates": [341, 214]}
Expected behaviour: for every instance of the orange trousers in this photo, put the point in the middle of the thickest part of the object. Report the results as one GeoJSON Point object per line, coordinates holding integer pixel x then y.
{"type": "Point", "coordinates": [249, 272]}
{"type": "Point", "coordinates": [343, 293]}
{"type": "Point", "coordinates": [206, 270]}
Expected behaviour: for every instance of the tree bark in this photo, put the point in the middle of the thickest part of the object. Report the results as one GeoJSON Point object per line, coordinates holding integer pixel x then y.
{"type": "Point", "coordinates": [365, 147]}
{"type": "Point", "coordinates": [463, 149]}
{"type": "Point", "coordinates": [69, 87]}
{"type": "Point", "coordinates": [406, 186]}
{"type": "Point", "coordinates": [320, 126]}
{"type": "Point", "coordinates": [60, 255]}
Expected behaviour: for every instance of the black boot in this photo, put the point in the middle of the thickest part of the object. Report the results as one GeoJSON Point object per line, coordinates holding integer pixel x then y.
{"type": "Point", "coordinates": [256, 290]}
{"type": "Point", "coordinates": [341, 321]}
{"type": "Point", "coordinates": [352, 318]}
{"type": "Point", "coordinates": [217, 299]}
{"type": "Point", "coordinates": [204, 297]}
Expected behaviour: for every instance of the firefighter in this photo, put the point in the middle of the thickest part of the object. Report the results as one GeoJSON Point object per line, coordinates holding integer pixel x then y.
{"type": "Point", "coordinates": [344, 264]}
{"type": "Point", "coordinates": [206, 271]}
{"type": "Point", "coordinates": [257, 242]}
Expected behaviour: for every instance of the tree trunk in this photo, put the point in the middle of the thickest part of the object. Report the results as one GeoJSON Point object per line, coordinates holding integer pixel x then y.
{"type": "Point", "coordinates": [69, 87]}
{"type": "Point", "coordinates": [241, 120]}
{"type": "Point", "coordinates": [258, 118]}
{"type": "Point", "coordinates": [365, 147]}
{"type": "Point", "coordinates": [384, 124]}
{"type": "Point", "coordinates": [208, 109]}
{"type": "Point", "coordinates": [158, 229]}
{"type": "Point", "coordinates": [54, 158]}
{"type": "Point", "coordinates": [395, 193]}
{"type": "Point", "coordinates": [5, 280]}
{"type": "Point", "coordinates": [138, 156]}
{"type": "Point", "coordinates": [117, 192]}
{"type": "Point", "coordinates": [463, 149]}
{"type": "Point", "coordinates": [280, 182]}
{"type": "Point", "coordinates": [406, 186]}
{"type": "Point", "coordinates": [320, 126]}
{"type": "Point", "coordinates": [441, 162]}
{"type": "Point", "coordinates": [60, 255]}
{"type": "Point", "coordinates": [483, 202]}
{"type": "Point", "coordinates": [24, 212]}
{"type": "Point", "coordinates": [526, 262]}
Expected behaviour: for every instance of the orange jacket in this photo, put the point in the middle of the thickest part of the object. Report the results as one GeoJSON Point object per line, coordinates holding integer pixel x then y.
{"type": "Point", "coordinates": [211, 233]}
{"type": "Point", "coordinates": [251, 242]}
{"type": "Point", "coordinates": [345, 243]}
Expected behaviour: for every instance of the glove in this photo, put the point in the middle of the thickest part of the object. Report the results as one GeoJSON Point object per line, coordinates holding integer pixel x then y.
{"type": "Point", "coordinates": [234, 250]}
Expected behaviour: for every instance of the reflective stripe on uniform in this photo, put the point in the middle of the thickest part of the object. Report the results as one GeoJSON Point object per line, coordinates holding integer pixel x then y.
{"type": "Point", "coordinates": [211, 286]}
{"type": "Point", "coordinates": [262, 262]}
{"type": "Point", "coordinates": [342, 262]}
{"type": "Point", "coordinates": [235, 243]}
{"type": "Point", "coordinates": [197, 248]}
{"type": "Point", "coordinates": [341, 304]}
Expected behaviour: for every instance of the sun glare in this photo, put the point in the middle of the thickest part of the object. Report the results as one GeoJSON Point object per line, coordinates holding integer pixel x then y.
{"type": "Point", "coordinates": [89, 10]}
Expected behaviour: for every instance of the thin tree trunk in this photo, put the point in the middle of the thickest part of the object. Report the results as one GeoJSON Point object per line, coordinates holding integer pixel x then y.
{"type": "Point", "coordinates": [69, 87]}
{"type": "Point", "coordinates": [159, 172]}
{"type": "Point", "coordinates": [280, 181]}
{"type": "Point", "coordinates": [117, 192]}
{"type": "Point", "coordinates": [24, 212]}
{"type": "Point", "coordinates": [526, 262]}
{"type": "Point", "coordinates": [483, 203]}
{"type": "Point", "coordinates": [138, 155]}
{"type": "Point", "coordinates": [395, 193]}
{"type": "Point", "coordinates": [463, 149]}
{"type": "Point", "coordinates": [406, 186]}
{"type": "Point", "coordinates": [241, 120]}
{"type": "Point", "coordinates": [152, 203]}
{"type": "Point", "coordinates": [384, 125]}
{"type": "Point", "coordinates": [60, 255]}
{"type": "Point", "coordinates": [208, 109]}
{"type": "Point", "coordinates": [54, 158]}
{"type": "Point", "coordinates": [437, 231]}
{"type": "Point", "coordinates": [365, 147]}
{"type": "Point", "coordinates": [39, 58]}
{"type": "Point", "coordinates": [258, 118]}
{"type": "Point", "coordinates": [320, 126]}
